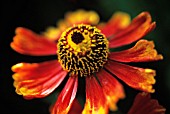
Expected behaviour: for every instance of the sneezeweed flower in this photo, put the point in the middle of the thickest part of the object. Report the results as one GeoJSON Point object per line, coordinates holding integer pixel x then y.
{"type": "Point", "coordinates": [83, 50]}
{"type": "Point", "coordinates": [142, 104]}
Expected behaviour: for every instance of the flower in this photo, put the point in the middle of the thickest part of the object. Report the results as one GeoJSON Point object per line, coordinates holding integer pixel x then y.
{"type": "Point", "coordinates": [143, 104]}
{"type": "Point", "coordinates": [82, 47]}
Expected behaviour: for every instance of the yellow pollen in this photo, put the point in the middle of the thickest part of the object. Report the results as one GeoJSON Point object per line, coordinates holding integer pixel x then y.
{"type": "Point", "coordinates": [82, 50]}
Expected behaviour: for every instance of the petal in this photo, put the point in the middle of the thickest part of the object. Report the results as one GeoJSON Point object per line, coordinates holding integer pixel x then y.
{"type": "Point", "coordinates": [54, 33]}
{"type": "Point", "coordinates": [82, 17]}
{"type": "Point", "coordinates": [143, 104]}
{"type": "Point", "coordinates": [29, 43]}
{"type": "Point", "coordinates": [112, 89]}
{"type": "Point", "coordinates": [95, 99]}
{"type": "Point", "coordinates": [75, 108]}
{"type": "Point", "coordinates": [140, 26]}
{"type": "Point", "coordinates": [118, 21]}
{"type": "Point", "coordinates": [66, 97]}
{"type": "Point", "coordinates": [37, 79]}
{"type": "Point", "coordinates": [143, 51]}
{"type": "Point", "coordinates": [135, 77]}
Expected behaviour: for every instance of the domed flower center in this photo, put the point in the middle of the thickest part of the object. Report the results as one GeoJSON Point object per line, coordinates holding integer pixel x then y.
{"type": "Point", "coordinates": [82, 50]}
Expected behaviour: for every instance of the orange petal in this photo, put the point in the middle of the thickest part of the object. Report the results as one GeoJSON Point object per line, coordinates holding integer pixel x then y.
{"type": "Point", "coordinates": [54, 33]}
{"type": "Point", "coordinates": [135, 77]}
{"type": "Point", "coordinates": [118, 21]}
{"type": "Point", "coordinates": [30, 43]}
{"type": "Point", "coordinates": [66, 97]}
{"type": "Point", "coordinates": [37, 79]}
{"type": "Point", "coordinates": [95, 99]}
{"type": "Point", "coordinates": [143, 51]}
{"type": "Point", "coordinates": [112, 89]}
{"type": "Point", "coordinates": [82, 17]}
{"type": "Point", "coordinates": [140, 26]}
{"type": "Point", "coordinates": [143, 104]}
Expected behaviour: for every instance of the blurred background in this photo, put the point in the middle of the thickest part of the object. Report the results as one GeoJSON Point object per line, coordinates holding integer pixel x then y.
{"type": "Point", "coordinates": [37, 15]}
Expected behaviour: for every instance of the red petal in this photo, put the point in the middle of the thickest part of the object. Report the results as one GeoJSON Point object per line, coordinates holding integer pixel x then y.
{"type": "Point", "coordinates": [112, 89]}
{"type": "Point", "coordinates": [143, 51]}
{"type": "Point", "coordinates": [37, 79]}
{"type": "Point", "coordinates": [30, 43]}
{"type": "Point", "coordinates": [66, 97]}
{"type": "Point", "coordinates": [118, 22]}
{"type": "Point", "coordinates": [140, 26]}
{"type": "Point", "coordinates": [95, 99]}
{"type": "Point", "coordinates": [143, 104]}
{"type": "Point", "coordinates": [135, 77]}
{"type": "Point", "coordinates": [75, 108]}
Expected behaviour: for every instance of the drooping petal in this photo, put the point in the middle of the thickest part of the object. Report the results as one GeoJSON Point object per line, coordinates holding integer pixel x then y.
{"type": "Point", "coordinates": [118, 21]}
{"type": "Point", "coordinates": [112, 89]}
{"type": "Point", "coordinates": [66, 97]}
{"type": "Point", "coordinates": [138, 78]}
{"type": "Point", "coordinates": [143, 51]}
{"type": "Point", "coordinates": [95, 99]}
{"type": "Point", "coordinates": [37, 80]}
{"type": "Point", "coordinates": [29, 43]}
{"type": "Point", "coordinates": [140, 26]}
{"type": "Point", "coordinates": [143, 104]}
{"type": "Point", "coordinates": [75, 108]}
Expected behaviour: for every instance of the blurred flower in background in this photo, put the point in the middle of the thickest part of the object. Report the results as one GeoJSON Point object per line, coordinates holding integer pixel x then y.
{"type": "Point", "coordinates": [84, 49]}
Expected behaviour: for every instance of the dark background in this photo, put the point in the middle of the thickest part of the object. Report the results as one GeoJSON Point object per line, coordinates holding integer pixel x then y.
{"type": "Point", "coordinates": [37, 15]}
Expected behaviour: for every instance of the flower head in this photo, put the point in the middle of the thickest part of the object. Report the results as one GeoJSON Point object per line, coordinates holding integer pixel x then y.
{"type": "Point", "coordinates": [82, 47]}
